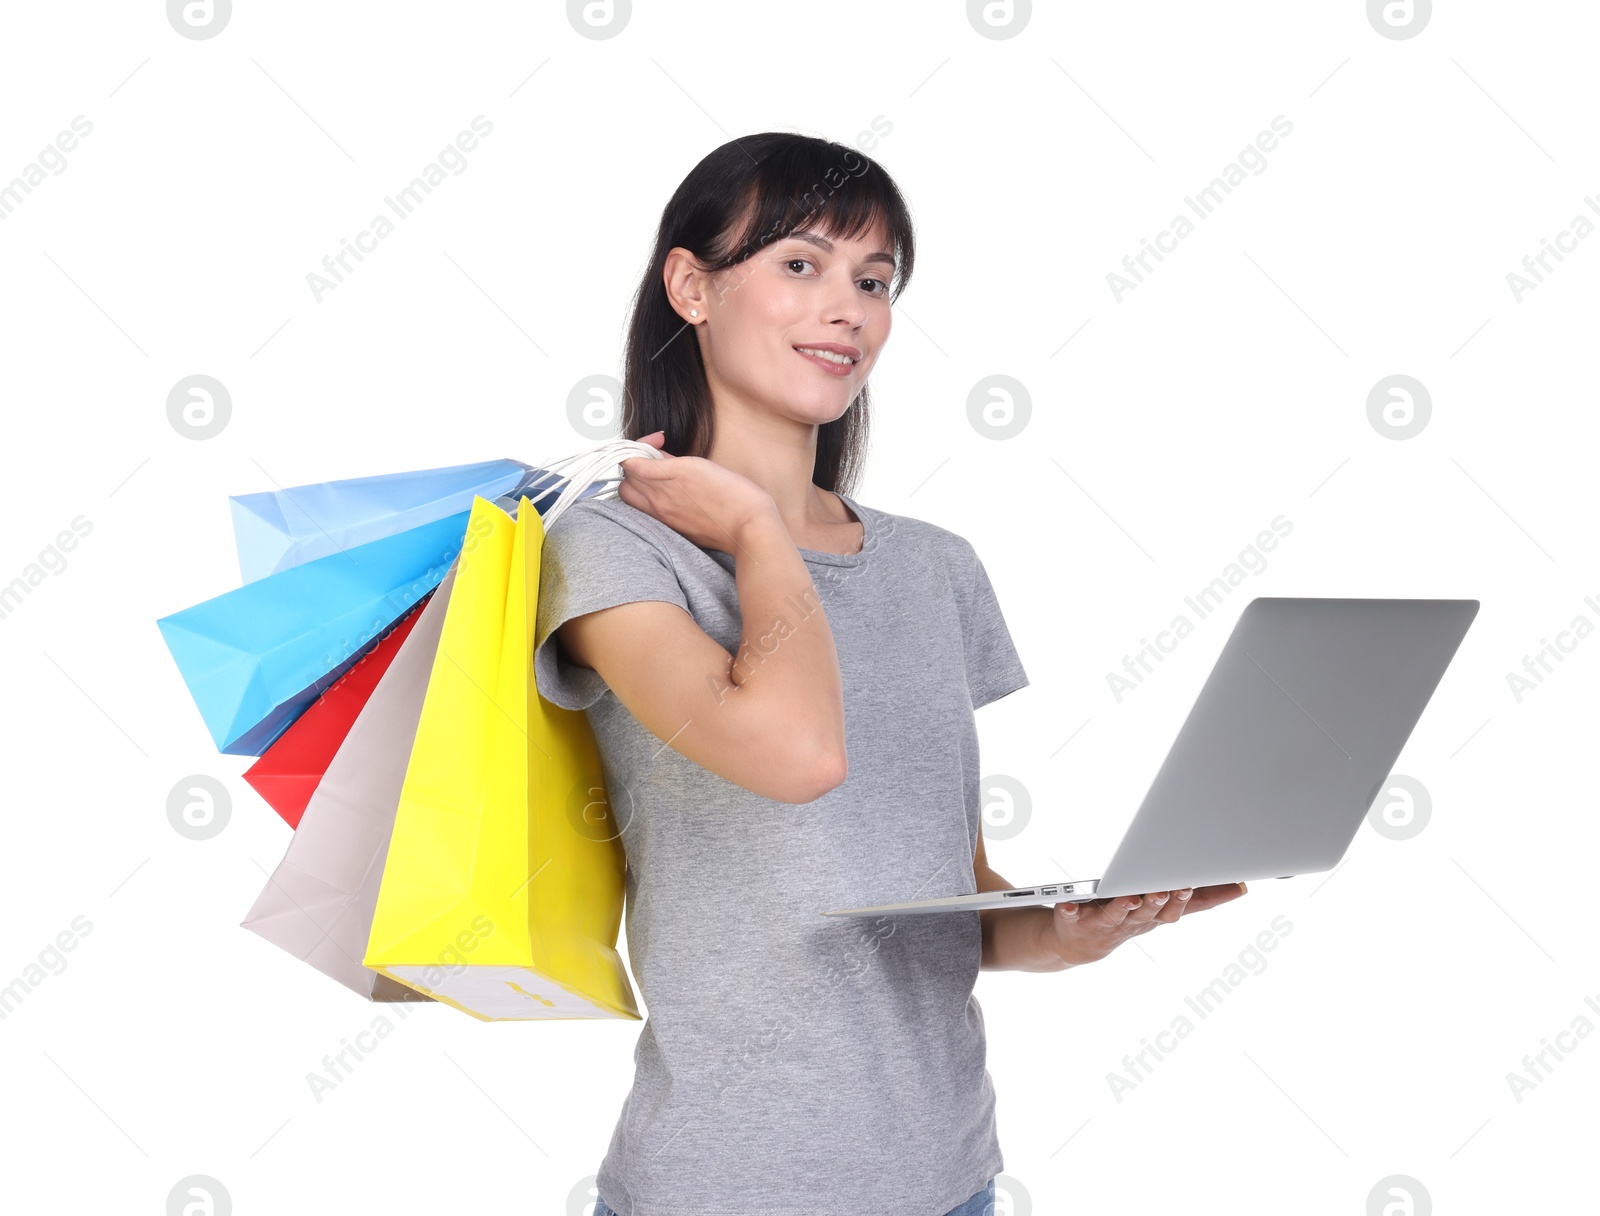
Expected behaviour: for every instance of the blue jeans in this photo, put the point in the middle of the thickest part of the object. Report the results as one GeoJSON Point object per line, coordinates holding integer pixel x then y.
{"type": "Point", "coordinates": [981, 1204]}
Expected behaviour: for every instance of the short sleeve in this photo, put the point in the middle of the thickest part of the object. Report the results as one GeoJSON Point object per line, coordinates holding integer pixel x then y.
{"type": "Point", "coordinates": [993, 666]}
{"type": "Point", "coordinates": [591, 560]}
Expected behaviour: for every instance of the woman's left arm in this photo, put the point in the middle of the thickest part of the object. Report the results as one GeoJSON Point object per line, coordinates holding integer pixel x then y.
{"type": "Point", "coordinates": [1068, 934]}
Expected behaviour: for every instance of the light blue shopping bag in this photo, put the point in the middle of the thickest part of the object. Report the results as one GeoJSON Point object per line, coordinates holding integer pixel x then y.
{"type": "Point", "coordinates": [256, 657]}
{"type": "Point", "coordinates": [279, 529]}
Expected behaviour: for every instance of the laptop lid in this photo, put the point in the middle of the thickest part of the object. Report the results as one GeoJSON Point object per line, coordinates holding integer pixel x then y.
{"type": "Point", "coordinates": [1289, 742]}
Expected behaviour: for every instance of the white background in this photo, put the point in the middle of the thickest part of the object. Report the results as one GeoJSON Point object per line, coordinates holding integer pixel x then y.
{"type": "Point", "coordinates": [1227, 389]}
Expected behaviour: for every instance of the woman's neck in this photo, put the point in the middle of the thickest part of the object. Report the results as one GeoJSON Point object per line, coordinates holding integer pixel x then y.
{"type": "Point", "coordinates": [780, 456]}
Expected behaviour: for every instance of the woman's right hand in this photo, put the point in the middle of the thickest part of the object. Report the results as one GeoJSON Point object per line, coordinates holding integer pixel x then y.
{"type": "Point", "coordinates": [1087, 932]}
{"type": "Point", "coordinates": [697, 498]}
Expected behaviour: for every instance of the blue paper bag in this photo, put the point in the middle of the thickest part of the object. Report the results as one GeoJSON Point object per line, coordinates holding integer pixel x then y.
{"type": "Point", "coordinates": [279, 529]}
{"type": "Point", "coordinates": [256, 657]}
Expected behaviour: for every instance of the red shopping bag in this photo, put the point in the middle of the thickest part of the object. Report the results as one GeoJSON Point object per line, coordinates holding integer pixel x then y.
{"type": "Point", "coordinates": [288, 772]}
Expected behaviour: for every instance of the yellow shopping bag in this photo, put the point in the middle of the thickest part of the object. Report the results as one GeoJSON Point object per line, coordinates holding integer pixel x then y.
{"type": "Point", "coordinates": [493, 900]}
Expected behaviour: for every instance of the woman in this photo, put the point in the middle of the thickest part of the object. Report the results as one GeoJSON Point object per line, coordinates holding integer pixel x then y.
{"type": "Point", "coordinates": [782, 682]}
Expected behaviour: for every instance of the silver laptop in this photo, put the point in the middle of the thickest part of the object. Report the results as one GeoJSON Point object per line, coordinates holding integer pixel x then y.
{"type": "Point", "coordinates": [1287, 746]}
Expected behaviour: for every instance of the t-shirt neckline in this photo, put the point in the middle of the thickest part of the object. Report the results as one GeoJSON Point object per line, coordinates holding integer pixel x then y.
{"type": "Point", "coordinates": [844, 559]}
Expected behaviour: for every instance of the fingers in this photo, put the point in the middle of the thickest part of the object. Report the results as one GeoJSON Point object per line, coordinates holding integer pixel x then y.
{"type": "Point", "coordinates": [1114, 913]}
{"type": "Point", "coordinates": [632, 490]}
{"type": "Point", "coordinates": [1131, 911]}
{"type": "Point", "coordinates": [1176, 906]}
{"type": "Point", "coordinates": [1105, 913]}
{"type": "Point", "coordinates": [1150, 907]}
{"type": "Point", "coordinates": [1091, 930]}
{"type": "Point", "coordinates": [1206, 898]}
{"type": "Point", "coordinates": [646, 471]}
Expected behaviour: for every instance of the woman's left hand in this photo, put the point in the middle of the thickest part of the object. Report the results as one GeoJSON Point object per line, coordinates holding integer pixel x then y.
{"type": "Point", "coordinates": [1087, 932]}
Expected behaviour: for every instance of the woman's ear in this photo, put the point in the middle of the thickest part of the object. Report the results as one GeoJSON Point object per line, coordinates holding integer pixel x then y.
{"type": "Point", "coordinates": [687, 285]}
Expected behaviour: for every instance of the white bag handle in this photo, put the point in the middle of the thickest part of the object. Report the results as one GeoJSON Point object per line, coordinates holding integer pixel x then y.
{"type": "Point", "coordinates": [581, 470]}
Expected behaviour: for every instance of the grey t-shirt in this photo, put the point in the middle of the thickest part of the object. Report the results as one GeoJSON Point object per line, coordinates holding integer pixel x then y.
{"type": "Point", "coordinates": [793, 1064]}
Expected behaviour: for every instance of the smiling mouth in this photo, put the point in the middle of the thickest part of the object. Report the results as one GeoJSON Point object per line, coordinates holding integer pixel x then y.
{"type": "Point", "coordinates": [827, 356]}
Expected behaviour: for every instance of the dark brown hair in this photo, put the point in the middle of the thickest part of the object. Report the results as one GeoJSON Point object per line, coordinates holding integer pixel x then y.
{"type": "Point", "coordinates": [742, 197]}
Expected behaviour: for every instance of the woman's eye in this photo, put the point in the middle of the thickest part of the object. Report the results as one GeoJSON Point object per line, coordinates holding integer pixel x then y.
{"type": "Point", "coordinates": [876, 287]}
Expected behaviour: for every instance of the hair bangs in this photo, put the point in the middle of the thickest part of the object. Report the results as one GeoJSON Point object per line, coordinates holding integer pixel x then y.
{"type": "Point", "coordinates": [824, 188]}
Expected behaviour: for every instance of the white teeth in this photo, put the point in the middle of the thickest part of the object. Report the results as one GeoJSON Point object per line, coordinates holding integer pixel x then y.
{"type": "Point", "coordinates": [829, 355]}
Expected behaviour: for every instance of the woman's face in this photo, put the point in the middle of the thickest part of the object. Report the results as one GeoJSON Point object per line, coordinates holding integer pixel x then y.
{"type": "Point", "coordinates": [797, 327]}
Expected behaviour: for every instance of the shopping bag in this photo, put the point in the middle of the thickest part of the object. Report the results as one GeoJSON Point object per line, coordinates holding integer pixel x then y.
{"type": "Point", "coordinates": [289, 771]}
{"type": "Point", "coordinates": [277, 529]}
{"type": "Point", "coordinates": [318, 903]}
{"type": "Point", "coordinates": [254, 658]}
{"type": "Point", "coordinates": [493, 900]}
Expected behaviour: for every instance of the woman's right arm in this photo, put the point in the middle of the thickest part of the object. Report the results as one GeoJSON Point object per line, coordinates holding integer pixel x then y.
{"type": "Point", "coordinates": [769, 718]}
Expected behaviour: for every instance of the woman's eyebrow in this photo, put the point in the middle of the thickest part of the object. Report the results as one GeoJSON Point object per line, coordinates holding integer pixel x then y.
{"type": "Point", "coordinates": [824, 244]}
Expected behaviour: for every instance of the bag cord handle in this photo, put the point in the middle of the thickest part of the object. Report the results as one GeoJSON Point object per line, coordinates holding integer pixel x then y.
{"type": "Point", "coordinates": [581, 473]}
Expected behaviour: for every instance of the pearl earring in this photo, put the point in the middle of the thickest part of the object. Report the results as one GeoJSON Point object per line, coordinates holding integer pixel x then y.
{"type": "Point", "coordinates": [694, 312]}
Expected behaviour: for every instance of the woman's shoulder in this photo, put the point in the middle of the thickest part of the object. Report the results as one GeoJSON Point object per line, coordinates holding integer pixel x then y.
{"type": "Point", "coordinates": [593, 524]}
{"type": "Point", "coordinates": [924, 537]}
{"type": "Point", "coordinates": [599, 539]}
{"type": "Point", "coordinates": [595, 520]}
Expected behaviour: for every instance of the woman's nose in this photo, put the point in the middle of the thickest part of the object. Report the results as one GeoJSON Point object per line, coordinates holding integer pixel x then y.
{"type": "Point", "coordinates": [846, 306]}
